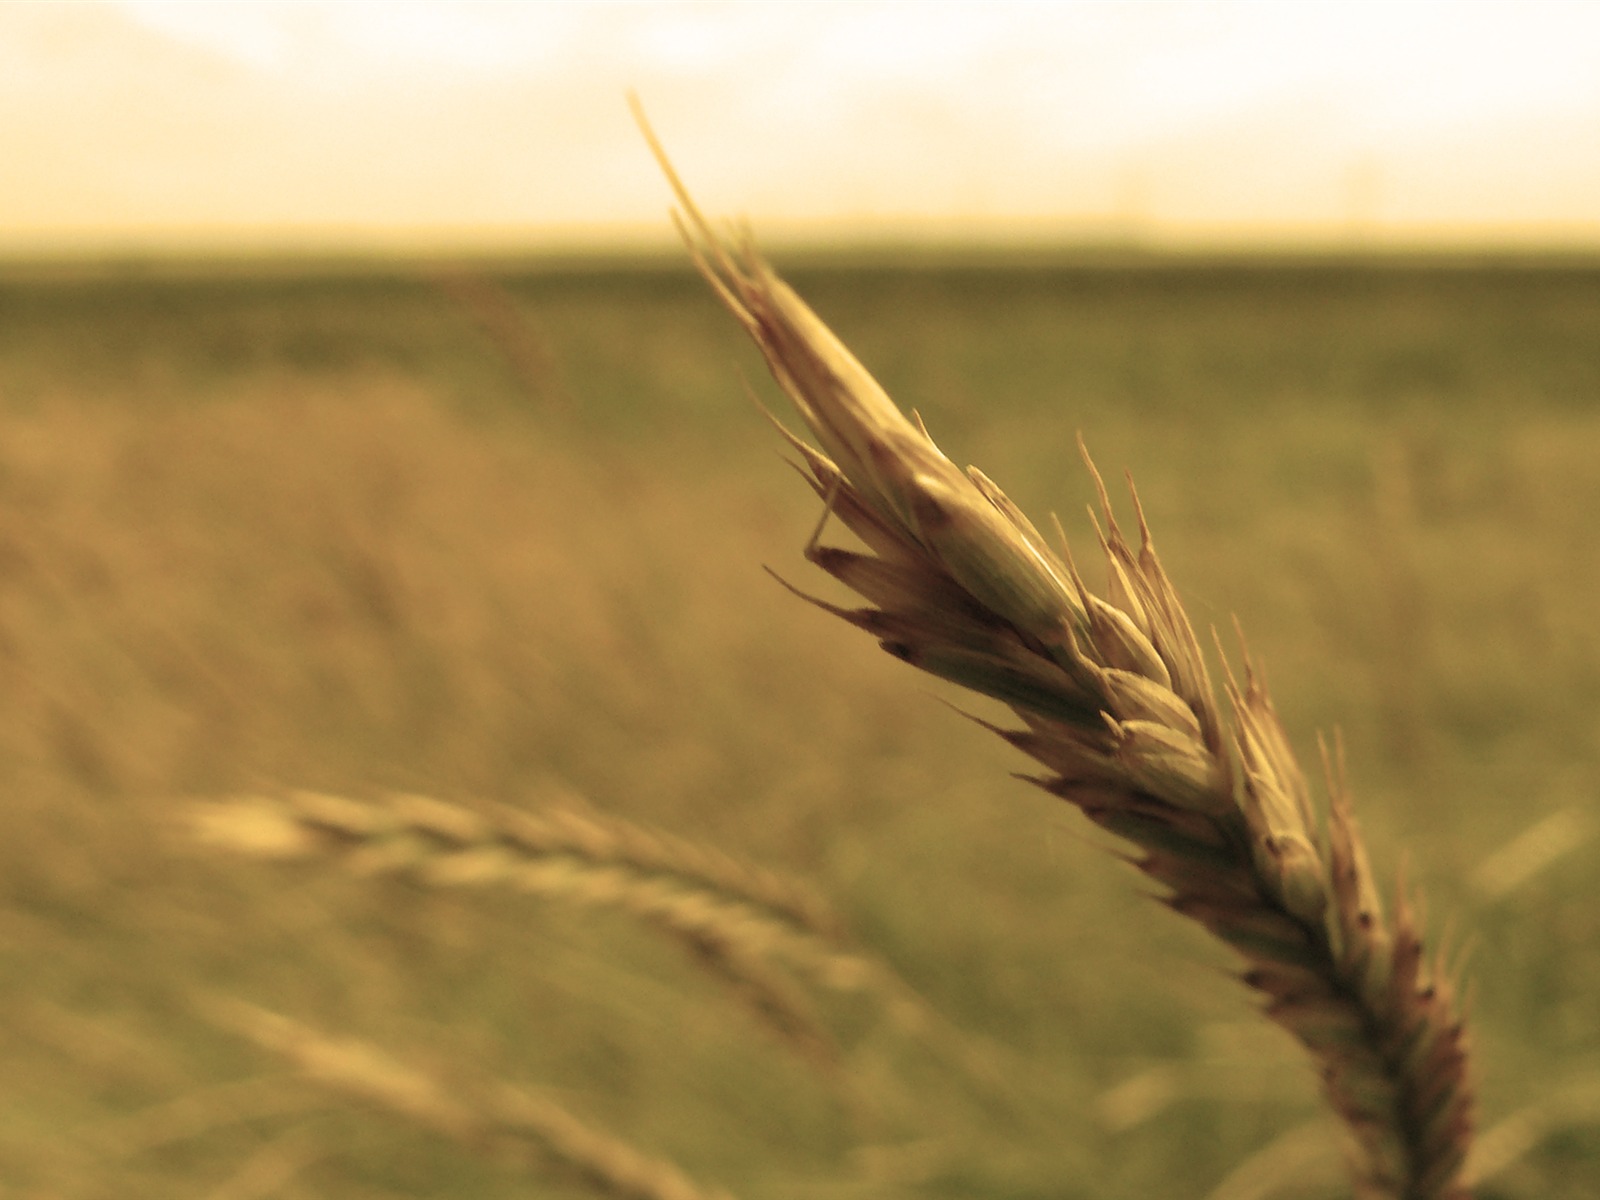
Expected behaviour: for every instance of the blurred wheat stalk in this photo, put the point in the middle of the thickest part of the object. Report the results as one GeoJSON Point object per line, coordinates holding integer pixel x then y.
{"type": "Point", "coordinates": [753, 930]}
{"type": "Point", "coordinates": [493, 1118]}
{"type": "Point", "coordinates": [1116, 704]}
{"type": "Point", "coordinates": [749, 927]}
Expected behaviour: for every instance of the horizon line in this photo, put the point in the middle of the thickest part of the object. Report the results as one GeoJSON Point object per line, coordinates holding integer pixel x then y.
{"type": "Point", "coordinates": [823, 237]}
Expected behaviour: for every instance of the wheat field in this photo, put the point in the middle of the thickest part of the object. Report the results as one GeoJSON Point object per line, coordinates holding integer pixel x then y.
{"type": "Point", "coordinates": [495, 537]}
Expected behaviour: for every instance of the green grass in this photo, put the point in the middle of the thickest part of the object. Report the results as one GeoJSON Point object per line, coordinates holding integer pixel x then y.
{"type": "Point", "coordinates": [323, 531]}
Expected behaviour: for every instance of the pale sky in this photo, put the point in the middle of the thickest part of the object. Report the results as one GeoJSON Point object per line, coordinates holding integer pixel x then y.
{"type": "Point", "coordinates": [154, 124]}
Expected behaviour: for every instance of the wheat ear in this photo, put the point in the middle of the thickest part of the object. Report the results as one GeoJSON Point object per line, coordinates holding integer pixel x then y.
{"type": "Point", "coordinates": [1116, 704]}
{"type": "Point", "coordinates": [738, 921]}
{"type": "Point", "coordinates": [492, 1117]}
{"type": "Point", "coordinates": [734, 920]}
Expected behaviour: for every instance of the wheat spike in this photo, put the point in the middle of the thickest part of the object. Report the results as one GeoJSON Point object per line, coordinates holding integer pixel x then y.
{"type": "Point", "coordinates": [750, 928]}
{"type": "Point", "coordinates": [736, 921]}
{"type": "Point", "coordinates": [492, 1117]}
{"type": "Point", "coordinates": [565, 830]}
{"type": "Point", "coordinates": [1116, 704]}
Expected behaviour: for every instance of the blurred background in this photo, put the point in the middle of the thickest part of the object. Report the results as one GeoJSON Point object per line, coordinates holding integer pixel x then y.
{"type": "Point", "coordinates": [363, 428]}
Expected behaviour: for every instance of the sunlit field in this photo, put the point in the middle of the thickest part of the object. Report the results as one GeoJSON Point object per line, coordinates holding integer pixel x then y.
{"type": "Point", "coordinates": [489, 535]}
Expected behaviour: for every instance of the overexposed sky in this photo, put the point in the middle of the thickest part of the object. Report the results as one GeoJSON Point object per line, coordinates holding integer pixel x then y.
{"type": "Point", "coordinates": [150, 124]}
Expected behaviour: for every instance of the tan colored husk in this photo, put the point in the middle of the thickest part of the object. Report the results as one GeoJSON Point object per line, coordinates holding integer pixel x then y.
{"type": "Point", "coordinates": [1118, 706]}
{"type": "Point", "coordinates": [487, 1116]}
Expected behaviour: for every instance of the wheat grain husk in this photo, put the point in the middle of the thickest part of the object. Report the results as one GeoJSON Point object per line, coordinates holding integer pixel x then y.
{"type": "Point", "coordinates": [1117, 704]}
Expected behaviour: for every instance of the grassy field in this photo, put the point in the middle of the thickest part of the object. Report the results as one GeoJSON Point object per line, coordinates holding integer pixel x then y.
{"type": "Point", "coordinates": [500, 537]}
